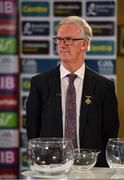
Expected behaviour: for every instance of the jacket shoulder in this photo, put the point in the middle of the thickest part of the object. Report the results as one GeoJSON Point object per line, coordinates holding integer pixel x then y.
{"type": "Point", "coordinates": [45, 75]}
{"type": "Point", "coordinates": [98, 77]}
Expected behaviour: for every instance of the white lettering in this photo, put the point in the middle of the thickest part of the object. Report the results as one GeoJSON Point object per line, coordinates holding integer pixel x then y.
{"type": "Point", "coordinates": [6, 157]}
{"type": "Point", "coordinates": [6, 7]}
{"type": "Point", "coordinates": [7, 83]}
{"type": "Point", "coordinates": [9, 157]}
{"type": "Point", "coordinates": [8, 102]}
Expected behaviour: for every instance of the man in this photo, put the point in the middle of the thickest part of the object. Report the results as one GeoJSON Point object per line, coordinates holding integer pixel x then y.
{"type": "Point", "coordinates": [96, 103]}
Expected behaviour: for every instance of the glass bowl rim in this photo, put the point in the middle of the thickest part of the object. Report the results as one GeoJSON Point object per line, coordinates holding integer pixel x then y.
{"type": "Point", "coordinates": [116, 140]}
{"type": "Point", "coordinates": [90, 150]}
{"type": "Point", "coordinates": [49, 140]}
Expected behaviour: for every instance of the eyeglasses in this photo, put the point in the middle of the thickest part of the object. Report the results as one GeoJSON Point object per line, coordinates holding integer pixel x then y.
{"type": "Point", "coordinates": [67, 41]}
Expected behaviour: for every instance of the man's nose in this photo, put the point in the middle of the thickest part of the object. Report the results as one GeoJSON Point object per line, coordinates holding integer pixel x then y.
{"type": "Point", "coordinates": [63, 43]}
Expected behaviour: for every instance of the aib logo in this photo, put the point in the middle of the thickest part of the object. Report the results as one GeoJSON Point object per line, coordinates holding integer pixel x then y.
{"type": "Point", "coordinates": [7, 7]}
{"type": "Point", "coordinates": [8, 157]}
{"type": "Point", "coordinates": [8, 83]}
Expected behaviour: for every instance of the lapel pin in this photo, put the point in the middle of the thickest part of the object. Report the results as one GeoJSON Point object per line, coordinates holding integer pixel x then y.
{"type": "Point", "coordinates": [88, 99]}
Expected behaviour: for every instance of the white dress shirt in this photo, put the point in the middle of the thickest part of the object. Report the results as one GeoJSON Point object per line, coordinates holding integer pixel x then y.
{"type": "Point", "coordinates": [78, 83]}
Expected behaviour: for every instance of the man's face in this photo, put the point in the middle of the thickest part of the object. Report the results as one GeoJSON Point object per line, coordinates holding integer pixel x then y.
{"type": "Point", "coordinates": [70, 52]}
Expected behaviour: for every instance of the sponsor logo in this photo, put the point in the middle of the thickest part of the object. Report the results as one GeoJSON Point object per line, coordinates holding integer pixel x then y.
{"type": "Point", "coordinates": [8, 45]}
{"type": "Point", "coordinates": [7, 27]}
{"type": "Point", "coordinates": [8, 157]}
{"type": "Point", "coordinates": [8, 8]}
{"type": "Point", "coordinates": [8, 119]}
{"type": "Point", "coordinates": [38, 65]}
{"type": "Point", "coordinates": [35, 28]}
{"type": "Point", "coordinates": [25, 84]}
{"type": "Point", "coordinates": [29, 65]}
{"type": "Point", "coordinates": [9, 138]}
{"type": "Point", "coordinates": [102, 48]}
{"type": "Point", "coordinates": [102, 28]}
{"type": "Point", "coordinates": [9, 64]}
{"type": "Point", "coordinates": [97, 9]}
{"type": "Point", "coordinates": [8, 101]}
{"type": "Point", "coordinates": [102, 66]}
{"type": "Point", "coordinates": [8, 83]}
{"type": "Point", "coordinates": [67, 8]}
{"type": "Point", "coordinates": [35, 47]}
{"type": "Point", "coordinates": [106, 67]}
{"type": "Point", "coordinates": [24, 159]}
{"type": "Point", "coordinates": [8, 173]}
{"type": "Point", "coordinates": [35, 8]}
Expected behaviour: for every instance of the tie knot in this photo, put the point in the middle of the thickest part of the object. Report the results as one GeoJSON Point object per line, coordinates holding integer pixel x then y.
{"type": "Point", "coordinates": [72, 77]}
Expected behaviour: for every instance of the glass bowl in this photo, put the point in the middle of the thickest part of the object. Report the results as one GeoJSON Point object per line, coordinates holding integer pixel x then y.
{"type": "Point", "coordinates": [50, 156]}
{"type": "Point", "coordinates": [85, 159]}
{"type": "Point", "coordinates": [115, 153]}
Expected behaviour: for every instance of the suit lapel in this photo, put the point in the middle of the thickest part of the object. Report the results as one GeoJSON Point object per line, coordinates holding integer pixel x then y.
{"type": "Point", "coordinates": [54, 82]}
{"type": "Point", "coordinates": [86, 99]}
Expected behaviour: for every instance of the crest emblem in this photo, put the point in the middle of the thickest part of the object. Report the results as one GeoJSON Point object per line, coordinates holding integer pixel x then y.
{"type": "Point", "coordinates": [88, 99]}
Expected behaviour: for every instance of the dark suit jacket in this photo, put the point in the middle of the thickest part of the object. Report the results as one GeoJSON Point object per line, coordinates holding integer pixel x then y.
{"type": "Point", "coordinates": [98, 120]}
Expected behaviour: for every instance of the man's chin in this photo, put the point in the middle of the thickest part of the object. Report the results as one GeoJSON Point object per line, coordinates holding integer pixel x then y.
{"type": "Point", "coordinates": [66, 61]}
{"type": "Point", "coordinates": [65, 58]}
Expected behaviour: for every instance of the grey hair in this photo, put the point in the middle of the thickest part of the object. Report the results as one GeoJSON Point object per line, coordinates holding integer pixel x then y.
{"type": "Point", "coordinates": [86, 30]}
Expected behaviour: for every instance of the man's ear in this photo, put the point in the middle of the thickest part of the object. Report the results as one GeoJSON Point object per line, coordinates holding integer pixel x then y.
{"type": "Point", "coordinates": [85, 45]}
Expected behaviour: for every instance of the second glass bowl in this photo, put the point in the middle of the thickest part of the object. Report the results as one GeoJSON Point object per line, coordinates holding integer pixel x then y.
{"type": "Point", "coordinates": [85, 159]}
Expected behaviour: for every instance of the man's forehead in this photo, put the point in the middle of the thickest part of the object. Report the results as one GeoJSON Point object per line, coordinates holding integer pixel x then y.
{"type": "Point", "coordinates": [73, 25]}
{"type": "Point", "coordinates": [69, 28]}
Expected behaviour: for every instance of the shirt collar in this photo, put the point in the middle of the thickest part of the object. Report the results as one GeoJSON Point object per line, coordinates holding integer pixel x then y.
{"type": "Point", "coordinates": [80, 72]}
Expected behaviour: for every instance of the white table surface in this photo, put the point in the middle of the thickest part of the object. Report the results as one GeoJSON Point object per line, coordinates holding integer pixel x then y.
{"type": "Point", "coordinates": [94, 173]}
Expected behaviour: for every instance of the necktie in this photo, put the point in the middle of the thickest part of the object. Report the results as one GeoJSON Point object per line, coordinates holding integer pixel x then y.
{"type": "Point", "coordinates": [70, 110]}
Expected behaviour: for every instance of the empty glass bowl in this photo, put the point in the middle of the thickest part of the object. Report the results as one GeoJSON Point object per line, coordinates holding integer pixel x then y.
{"type": "Point", "coordinates": [85, 159]}
{"type": "Point", "coordinates": [115, 153]}
{"type": "Point", "coordinates": [50, 156]}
